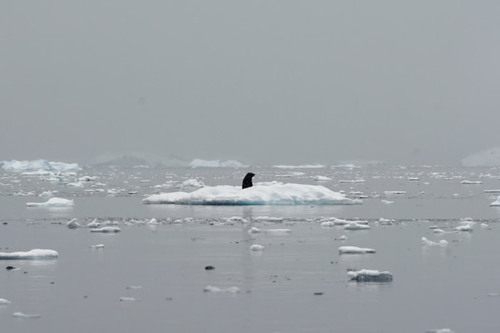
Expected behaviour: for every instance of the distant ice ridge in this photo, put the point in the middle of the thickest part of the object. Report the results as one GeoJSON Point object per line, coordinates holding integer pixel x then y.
{"type": "Point", "coordinates": [35, 254]}
{"type": "Point", "coordinates": [34, 165]}
{"type": "Point", "coordinates": [304, 166]}
{"type": "Point", "coordinates": [260, 194]}
{"type": "Point", "coordinates": [52, 203]}
{"type": "Point", "coordinates": [199, 163]}
{"type": "Point", "coordinates": [485, 158]}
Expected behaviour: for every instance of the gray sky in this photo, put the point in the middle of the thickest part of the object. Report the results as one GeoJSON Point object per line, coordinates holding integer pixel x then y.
{"type": "Point", "coordinates": [264, 82]}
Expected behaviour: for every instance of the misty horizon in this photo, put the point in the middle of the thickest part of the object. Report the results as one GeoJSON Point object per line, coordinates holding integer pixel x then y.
{"type": "Point", "coordinates": [282, 82]}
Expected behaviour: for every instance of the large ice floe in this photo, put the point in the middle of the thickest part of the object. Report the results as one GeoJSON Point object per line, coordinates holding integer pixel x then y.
{"type": "Point", "coordinates": [35, 254]}
{"type": "Point", "coordinates": [261, 194]}
{"type": "Point", "coordinates": [52, 203]}
{"type": "Point", "coordinates": [21, 166]}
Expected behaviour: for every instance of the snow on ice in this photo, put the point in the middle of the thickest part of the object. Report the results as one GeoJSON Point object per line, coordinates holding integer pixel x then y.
{"type": "Point", "coordinates": [52, 203]}
{"type": "Point", "coordinates": [35, 254]}
{"type": "Point", "coordinates": [260, 194]}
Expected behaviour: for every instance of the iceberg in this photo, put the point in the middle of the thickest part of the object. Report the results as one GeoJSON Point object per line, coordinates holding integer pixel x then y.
{"type": "Point", "coordinates": [34, 165]}
{"type": "Point", "coordinates": [266, 194]}
{"type": "Point", "coordinates": [369, 275]}
{"type": "Point", "coordinates": [354, 250]}
{"type": "Point", "coordinates": [35, 254]}
{"type": "Point", "coordinates": [52, 203]}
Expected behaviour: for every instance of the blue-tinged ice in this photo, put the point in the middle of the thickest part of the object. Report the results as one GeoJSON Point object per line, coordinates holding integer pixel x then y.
{"type": "Point", "coordinates": [260, 194]}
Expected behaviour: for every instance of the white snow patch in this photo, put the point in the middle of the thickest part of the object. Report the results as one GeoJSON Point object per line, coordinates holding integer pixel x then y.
{"type": "Point", "coordinates": [35, 254]}
{"type": "Point", "coordinates": [268, 194]}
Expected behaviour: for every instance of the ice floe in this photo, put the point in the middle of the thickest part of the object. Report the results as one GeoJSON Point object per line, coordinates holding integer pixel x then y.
{"type": "Point", "coordinates": [354, 250]}
{"type": "Point", "coordinates": [129, 299]}
{"type": "Point", "coordinates": [495, 203]}
{"type": "Point", "coordinates": [192, 183]}
{"type": "Point", "coordinates": [440, 330]}
{"type": "Point", "coordinates": [256, 247]}
{"type": "Point", "coordinates": [426, 242]}
{"type": "Point", "coordinates": [35, 254]}
{"type": "Point", "coordinates": [471, 182]}
{"type": "Point", "coordinates": [4, 301]}
{"type": "Point", "coordinates": [260, 194]}
{"type": "Point", "coordinates": [25, 315]}
{"type": "Point", "coordinates": [356, 226]}
{"type": "Point", "coordinates": [370, 275]}
{"type": "Point", "coordinates": [213, 289]}
{"type": "Point", "coordinates": [52, 203]}
{"type": "Point", "coordinates": [106, 229]}
{"type": "Point", "coordinates": [73, 224]}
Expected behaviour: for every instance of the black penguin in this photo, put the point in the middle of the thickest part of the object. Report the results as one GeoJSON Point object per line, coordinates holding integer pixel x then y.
{"type": "Point", "coordinates": [247, 181]}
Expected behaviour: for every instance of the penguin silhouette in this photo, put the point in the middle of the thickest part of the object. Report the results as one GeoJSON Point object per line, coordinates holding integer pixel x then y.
{"type": "Point", "coordinates": [247, 181]}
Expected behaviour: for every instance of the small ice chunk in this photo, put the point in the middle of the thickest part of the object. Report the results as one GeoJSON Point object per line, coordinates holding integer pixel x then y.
{"type": "Point", "coordinates": [369, 275]}
{"type": "Point", "coordinates": [485, 225]}
{"type": "Point", "coordinates": [464, 228]}
{"type": "Point", "coordinates": [440, 330]}
{"type": "Point", "coordinates": [426, 242]}
{"type": "Point", "coordinates": [213, 289]}
{"type": "Point", "coordinates": [321, 178]}
{"type": "Point", "coordinates": [52, 203]}
{"type": "Point", "coordinates": [438, 231]}
{"type": "Point", "coordinates": [354, 250]}
{"type": "Point", "coordinates": [471, 182]}
{"type": "Point", "coordinates": [73, 224]}
{"type": "Point", "coordinates": [253, 230]}
{"type": "Point", "coordinates": [134, 287]}
{"type": "Point", "coordinates": [495, 203]}
{"type": "Point", "coordinates": [129, 299]}
{"type": "Point", "coordinates": [93, 224]}
{"type": "Point", "coordinates": [153, 221]}
{"type": "Point", "coordinates": [106, 229]}
{"type": "Point", "coordinates": [256, 247]}
{"type": "Point", "coordinates": [25, 315]}
{"type": "Point", "coordinates": [278, 232]}
{"type": "Point", "coordinates": [327, 224]}
{"type": "Point", "coordinates": [35, 254]}
{"type": "Point", "coordinates": [343, 238]}
{"type": "Point", "coordinates": [356, 226]}
{"type": "Point", "coordinates": [98, 246]}
{"type": "Point", "coordinates": [4, 301]}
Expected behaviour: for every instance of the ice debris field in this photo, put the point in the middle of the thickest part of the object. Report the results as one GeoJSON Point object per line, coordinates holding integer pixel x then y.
{"type": "Point", "coordinates": [347, 241]}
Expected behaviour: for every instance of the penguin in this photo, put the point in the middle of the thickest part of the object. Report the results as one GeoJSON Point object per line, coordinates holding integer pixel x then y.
{"type": "Point", "coordinates": [247, 181]}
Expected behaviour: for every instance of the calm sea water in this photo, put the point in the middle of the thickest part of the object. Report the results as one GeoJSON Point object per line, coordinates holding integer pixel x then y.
{"type": "Point", "coordinates": [152, 277]}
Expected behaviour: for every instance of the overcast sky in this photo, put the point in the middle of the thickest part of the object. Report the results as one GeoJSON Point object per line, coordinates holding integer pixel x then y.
{"type": "Point", "coordinates": [263, 82]}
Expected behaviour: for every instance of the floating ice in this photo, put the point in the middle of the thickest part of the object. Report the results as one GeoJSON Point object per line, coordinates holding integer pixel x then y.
{"type": "Point", "coordinates": [369, 275]}
{"type": "Point", "coordinates": [351, 181]}
{"type": "Point", "coordinates": [213, 289]}
{"type": "Point", "coordinates": [278, 232]}
{"type": "Point", "coordinates": [268, 194]}
{"type": "Point", "coordinates": [4, 301]}
{"type": "Point", "coordinates": [106, 229]}
{"type": "Point", "coordinates": [393, 193]}
{"type": "Point", "coordinates": [73, 224]}
{"type": "Point", "coordinates": [97, 246]}
{"type": "Point", "coordinates": [440, 330]}
{"type": "Point", "coordinates": [321, 178]}
{"type": "Point", "coordinates": [256, 247]}
{"type": "Point", "coordinates": [35, 254]}
{"type": "Point", "coordinates": [464, 228]}
{"type": "Point", "coordinates": [495, 203]}
{"type": "Point", "coordinates": [354, 250]}
{"type": "Point", "coordinates": [471, 182]}
{"type": "Point", "coordinates": [268, 219]}
{"type": "Point", "coordinates": [25, 315]}
{"type": "Point", "coordinates": [198, 163]}
{"type": "Point", "coordinates": [52, 203]}
{"type": "Point", "coordinates": [93, 224]}
{"type": "Point", "coordinates": [192, 183]}
{"type": "Point", "coordinates": [426, 242]}
{"type": "Point", "coordinates": [129, 299]}
{"type": "Point", "coordinates": [253, 230]}
{"type": "Point", "coordinates": [20, 166]}
{"type": "Point", "coordinates": [356, 226]}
